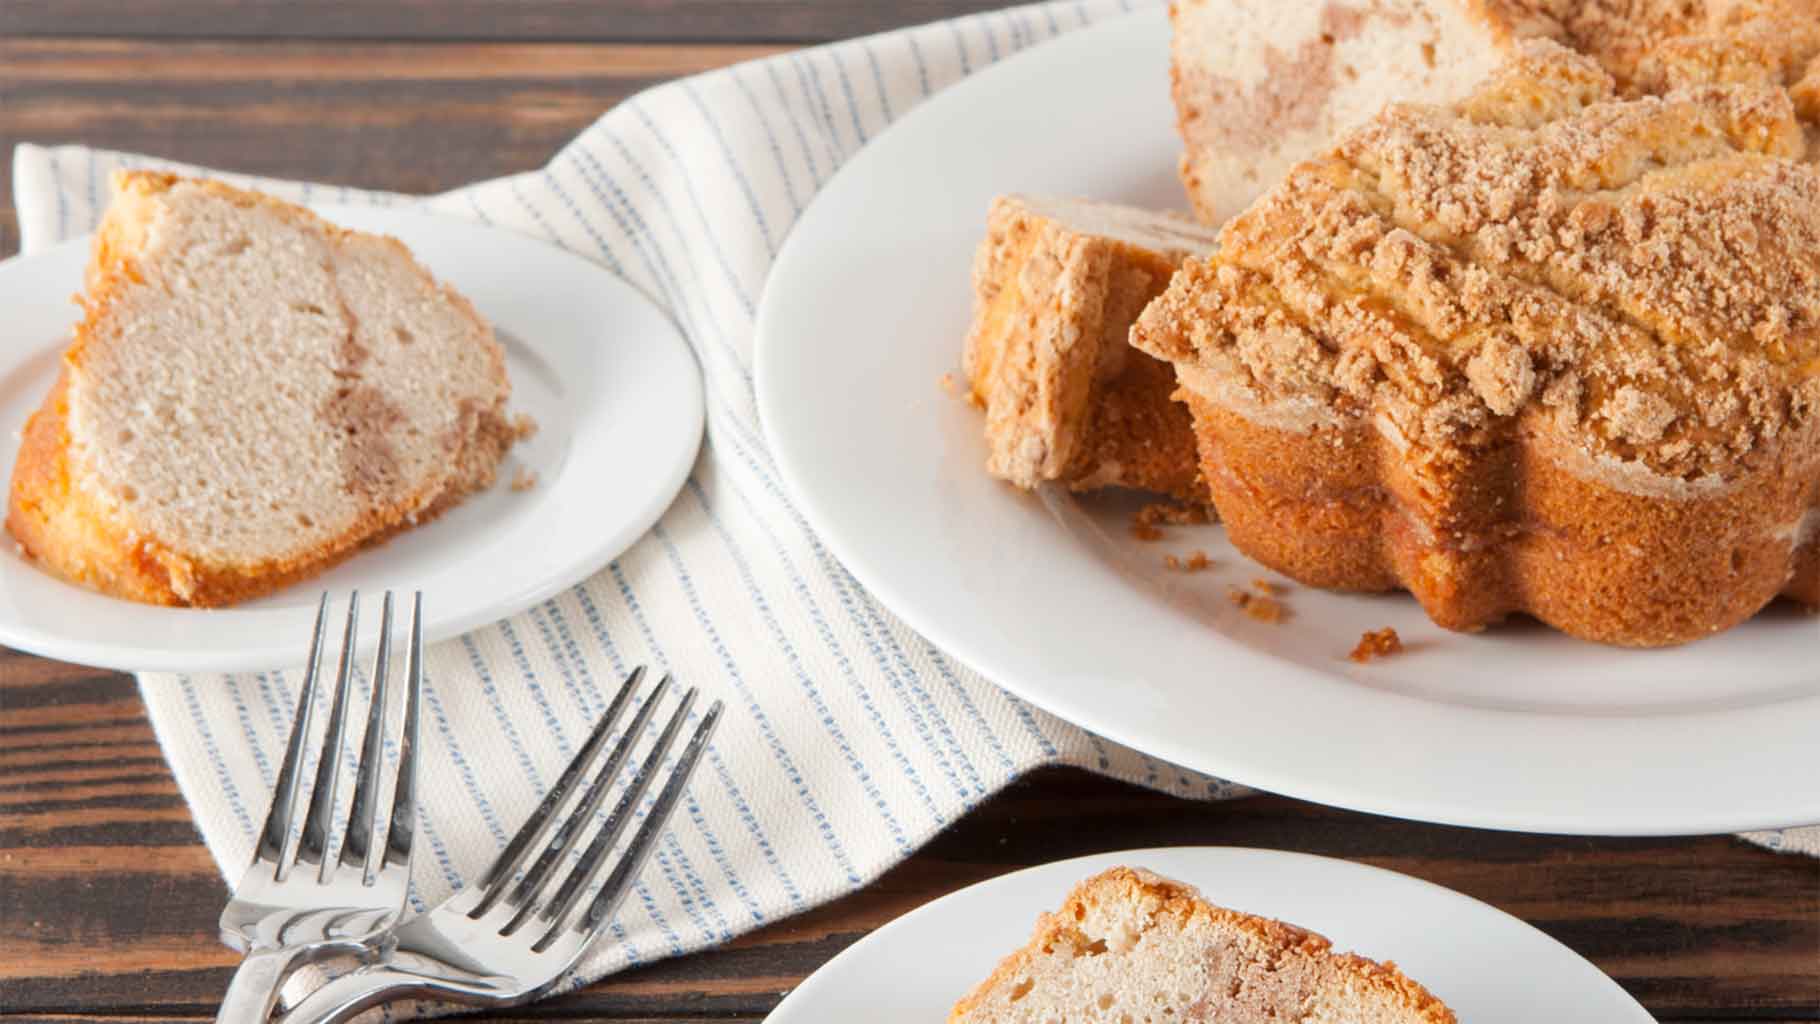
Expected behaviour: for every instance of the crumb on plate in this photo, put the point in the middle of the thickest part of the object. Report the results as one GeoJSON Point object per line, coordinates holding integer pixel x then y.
{"type": "Point", "coordinates": [1261, 607]}
{"type": "Point", "coordinates": [524, 479]}
{"type": "Point", "coordinates": [1196, 561]}
{"type": "Point", "coordinates": [1376, 643]}
{"type": "Point", "coordinates": [1165, 513]}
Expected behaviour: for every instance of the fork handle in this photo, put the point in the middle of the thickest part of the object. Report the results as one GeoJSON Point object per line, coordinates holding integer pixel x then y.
{"type": "Point", "coordinates": [254, 990]}
{"type": "Point", "coordinates": [345, 997]}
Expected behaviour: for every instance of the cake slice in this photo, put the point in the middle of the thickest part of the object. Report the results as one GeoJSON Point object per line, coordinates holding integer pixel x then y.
{"type": "Point", "coordinates": [1057, 284]}
{"type": "Point", "coordinates": [251, 395]}
{"type": "Point", "coordinates": [1548, 350]}
{"type": "Point", "coordinates": [1130, 947]}
{"type": "Point", "coordinates": [1260, 85]}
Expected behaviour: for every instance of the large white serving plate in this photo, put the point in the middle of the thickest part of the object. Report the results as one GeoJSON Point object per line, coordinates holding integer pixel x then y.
{"type": "Point", "coordinates": [612, 386]}
{"type": "Point", "coordinates": [1488, 967]}
{"type": "Point", "coordinates": [1518, 728]}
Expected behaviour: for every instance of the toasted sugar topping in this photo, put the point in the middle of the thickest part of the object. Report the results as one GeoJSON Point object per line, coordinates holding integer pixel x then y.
{"type": "Point", "coordinates": [1744, 41]}
{"type": "Point", "coordinates": [1646, 271]}
{"type": "Point", "coordinates": [1765, 42]}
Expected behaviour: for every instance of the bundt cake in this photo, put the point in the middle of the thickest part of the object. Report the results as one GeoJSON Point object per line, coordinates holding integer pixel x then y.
{"type": "Point", "coordinates": [1547, 350]}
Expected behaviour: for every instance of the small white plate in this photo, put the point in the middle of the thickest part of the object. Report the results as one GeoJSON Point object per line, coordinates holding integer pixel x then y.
{"type": "Point", "coordinates": [1486, 965]}
{"type": "Point", "coordinates": [612, 386]}
{"type": "Point", "coordinates": [1519, 728]}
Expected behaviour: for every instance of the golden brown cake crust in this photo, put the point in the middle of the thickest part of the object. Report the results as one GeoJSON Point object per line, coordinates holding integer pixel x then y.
{"type": "Point", "coordinates": [1548, 324]}
{"type": "Point", "coordinates": [63, 528]}
{"type": "Point", "coordinates": [1183, 903]}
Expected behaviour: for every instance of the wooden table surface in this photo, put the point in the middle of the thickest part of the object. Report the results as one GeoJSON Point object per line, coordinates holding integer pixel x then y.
{"type": "Point", "coordinates": [107, 897]}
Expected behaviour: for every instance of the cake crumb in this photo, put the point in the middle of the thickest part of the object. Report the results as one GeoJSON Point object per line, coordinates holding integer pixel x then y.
{"type": "Point", "coordinates": [524, 479]}
{"type": "Point", "coordinates": [1196, 561]}
{"type": "Point", "coordinates": [1164, 513]}
{"type": "Point", "coordinates": [1146, 532]}
{"type": "Point", "coordinates": [1264, 586]}
{"type": "Point", "coordinates": [1376, 643]}
{"type": "Point", "coordinates": [1261, 607]}
{"type": "Point", "coordinates": [523, 427]}
{"type": "Point", "coordinates": [946, 381]}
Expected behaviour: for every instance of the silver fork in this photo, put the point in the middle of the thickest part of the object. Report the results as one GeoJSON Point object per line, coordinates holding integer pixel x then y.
{"type": "Point", "coordinates": [502, 941]}
{"type": "Point", "coordinates": [294, 905]}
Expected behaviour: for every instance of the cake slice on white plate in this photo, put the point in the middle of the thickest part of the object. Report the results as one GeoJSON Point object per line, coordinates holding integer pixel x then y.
{"type": "Point", "coordinates": [1131, 947]}
{"type": "Point", "coordinates": [1057, 284]}
{"type": "Point", "coordinates": [252, 395]}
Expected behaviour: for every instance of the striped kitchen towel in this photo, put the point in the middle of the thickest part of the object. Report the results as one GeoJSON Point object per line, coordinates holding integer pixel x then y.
{"type": "Point", "coordinates": [850, 740]}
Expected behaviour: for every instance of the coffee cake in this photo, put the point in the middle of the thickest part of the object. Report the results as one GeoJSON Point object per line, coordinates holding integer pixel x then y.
{"type": "Point", "coordinates": [1547, 350]}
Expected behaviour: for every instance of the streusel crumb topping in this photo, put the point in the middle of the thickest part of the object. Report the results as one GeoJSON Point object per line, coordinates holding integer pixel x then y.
{"type": "Point", "coordinates": [1642, 273]}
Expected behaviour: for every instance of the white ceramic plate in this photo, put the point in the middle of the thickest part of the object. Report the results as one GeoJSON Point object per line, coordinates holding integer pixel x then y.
{"type": "Point", "coordinates": [615, 392]}
{"type": "Point", "coordinates": [1487, 966]}
{"type": "Point", "coordinates": [1519, 728]}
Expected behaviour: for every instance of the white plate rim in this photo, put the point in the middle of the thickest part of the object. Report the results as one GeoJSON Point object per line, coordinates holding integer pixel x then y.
{"type": "Point", "coordinates": [800, 1003]}
{"type": "Point", "coordinates": [1567, 807]}
{"type": "Point", "coordinates": [681, 427]}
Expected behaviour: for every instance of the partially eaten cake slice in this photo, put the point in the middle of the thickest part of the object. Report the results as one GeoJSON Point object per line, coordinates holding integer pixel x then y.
{"type": "Point", "coordinates": [1132, 947]}
{"type": "Point", "coordinates": [252, 394]}
{"type": "Point", "coordinates": [1057, 284]}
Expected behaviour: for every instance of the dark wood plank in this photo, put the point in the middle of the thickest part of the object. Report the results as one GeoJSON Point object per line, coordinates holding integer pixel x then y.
{"type": "Point", "coordinates": [412, 118]}
{"type": "Point", "coordinates": [97, 853]}
{"type": "Point", "coordinates": [694, 21]}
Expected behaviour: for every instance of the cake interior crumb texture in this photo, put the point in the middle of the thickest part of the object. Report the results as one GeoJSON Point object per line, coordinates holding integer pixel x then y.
{"type": "Point", "coordinates": [251, 395]}
{"type": "Point", "coordinates": [1262, 84]}
{"type": "Point", "coordinates": [1131, 947]}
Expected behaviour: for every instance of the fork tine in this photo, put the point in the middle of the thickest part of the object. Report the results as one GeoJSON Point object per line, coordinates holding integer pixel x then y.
{"type": "Point", "coordinates": [328, 766]}
{"type": "Point", "coordinates": [363, 815]}
{"type": "Point", "coordinates": [403, 825]}
{"type": "Point", "coordinates": [563, 904]}
{"type": "Point", "coordinates": [538, 824]}
{"type": "Point", "coordinates": [606, 903]}
{"type": "Point", "coordinates": [573, 826]}
{"type": "Point", "coordinates": [274, 838]}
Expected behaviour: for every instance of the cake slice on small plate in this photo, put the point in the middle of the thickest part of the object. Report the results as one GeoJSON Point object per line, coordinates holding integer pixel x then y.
{"type": "Point", "coordinates": [1131, 946]}
{"type": "Point", "coordinates": [251, 395]}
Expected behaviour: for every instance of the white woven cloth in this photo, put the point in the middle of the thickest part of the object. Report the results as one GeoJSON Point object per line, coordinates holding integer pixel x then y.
{"type": "Point", "coordinates": [850, 740]}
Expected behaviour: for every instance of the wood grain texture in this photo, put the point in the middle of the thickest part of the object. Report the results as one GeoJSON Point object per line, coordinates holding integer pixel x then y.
{"type": "Point", "coordinates": [406, 117]}
{"type": "Point", "coordinates": [97, 855]}
{"type": "Point", "coordinates": [693, 21]}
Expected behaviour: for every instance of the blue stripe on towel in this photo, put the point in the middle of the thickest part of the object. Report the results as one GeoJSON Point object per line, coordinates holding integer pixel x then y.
{"type": "Point", "coordinates": [776, 148]}
{"type": "Point", "coordinates": [799, 782]}
{"type": "Point", "coordinates": [213, 752]}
